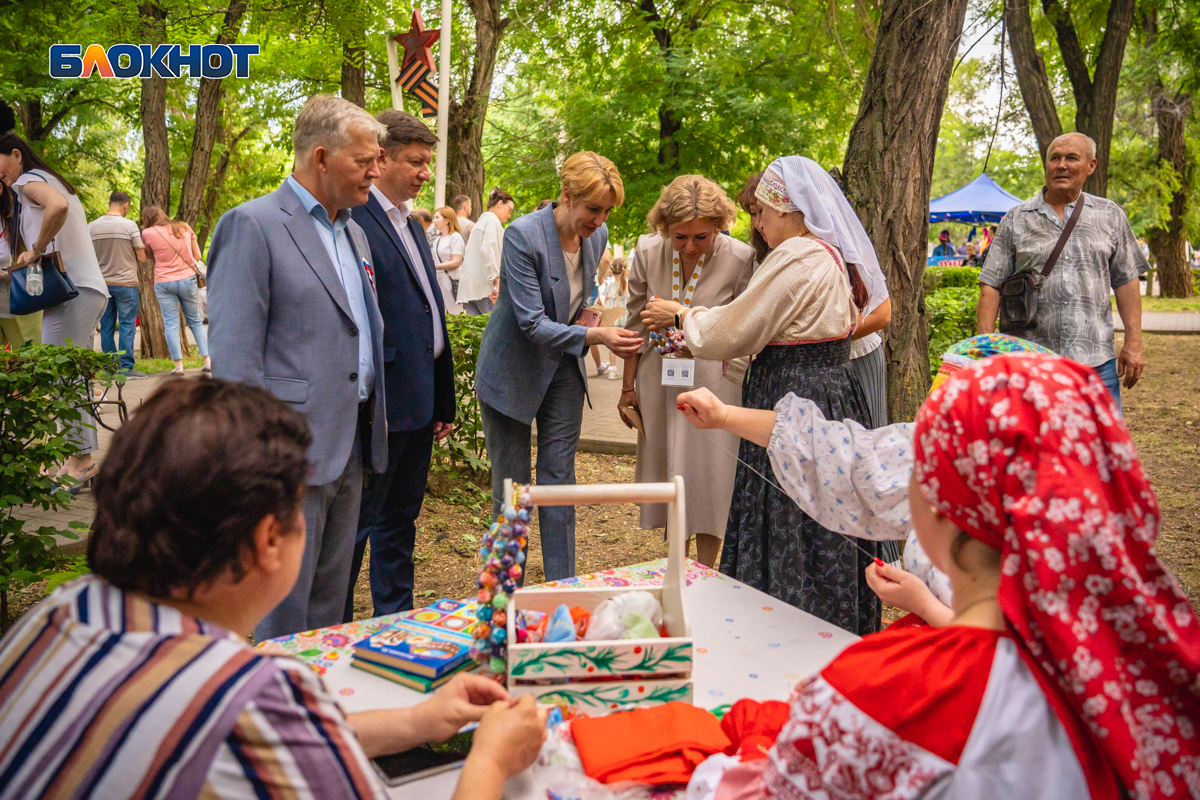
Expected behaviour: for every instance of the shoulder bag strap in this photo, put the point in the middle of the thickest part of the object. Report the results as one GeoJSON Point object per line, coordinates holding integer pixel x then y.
{"type": "Point", "coordinates": [1062, 237]}
{"type": "Point", "coordinates": [167, 242]}
{"type": "Point", "coordinates": [16, 244]}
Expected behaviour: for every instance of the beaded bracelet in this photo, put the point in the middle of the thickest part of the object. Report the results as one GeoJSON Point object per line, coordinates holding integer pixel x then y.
{"type": "Point", "coordinates": [501, 555]}
{"type": "Point", "coordinates": [668, 340]}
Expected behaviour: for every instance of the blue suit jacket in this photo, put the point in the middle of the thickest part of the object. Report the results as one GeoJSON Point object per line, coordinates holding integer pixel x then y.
{"type": "Point", "coordinates": [530, 330]}
{"type": "Point", "coordinates": [279, 318]}
{"type": "Point", "coordinates": [419, 388]}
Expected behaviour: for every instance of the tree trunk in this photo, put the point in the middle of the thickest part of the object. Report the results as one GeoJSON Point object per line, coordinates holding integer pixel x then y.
{"type": "Point", "coordinates": [154, 337]}
{"type": "Point", "coordinates": [208, 210]}
{"type": "Point", "coordinates": [1095, 91]}
{"type": "Point", "coordinates": [464, 143]}
{"type": "Point", "coordinates": [889, 169]}
{"type": "Point", "coordinates": [670, 120]}
{"type": "Point", "coordinates": [204, 133]}
{"type": "Point", "coordinates": [1168, 244]}
{"type": "Point", "coordinates": [1031, 75]}
{"type": "Point", "coordinates": [37, 128]}
{"type": "Point", "coordinates": [354, 72]}
{"type": "Point", "coordinates": [669, 125]}
{"type": "Point", "coordinates": [156, 178]}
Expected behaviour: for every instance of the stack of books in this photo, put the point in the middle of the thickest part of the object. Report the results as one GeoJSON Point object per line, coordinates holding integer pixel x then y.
{"type": "Point", "coordinates": [422, 649]}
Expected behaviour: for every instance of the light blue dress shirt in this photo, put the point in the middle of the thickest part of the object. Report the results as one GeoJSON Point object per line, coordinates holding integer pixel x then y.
{"type": "Point", "coordinates": [336, 239]}
{"type": "Point", "coordinates": [398, 216]}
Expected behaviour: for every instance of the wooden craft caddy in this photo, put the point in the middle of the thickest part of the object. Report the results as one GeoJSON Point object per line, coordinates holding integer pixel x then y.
{"type": "Point", "coordinates": [595, 677]}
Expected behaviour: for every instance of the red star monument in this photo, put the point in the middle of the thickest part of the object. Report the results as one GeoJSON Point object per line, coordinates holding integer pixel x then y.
{"type": "Point", "coordinates": [416, 42]}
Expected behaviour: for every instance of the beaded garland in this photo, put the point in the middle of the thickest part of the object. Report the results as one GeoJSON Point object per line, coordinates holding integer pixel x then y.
{"type": "Point", "coordinates": [501, 557]}
{"type": "Point", "coordinates": [668, 340]}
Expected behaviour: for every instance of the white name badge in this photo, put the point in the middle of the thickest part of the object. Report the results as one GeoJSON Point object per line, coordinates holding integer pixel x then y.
{"type": "Point", "coordinates": [679, 372]}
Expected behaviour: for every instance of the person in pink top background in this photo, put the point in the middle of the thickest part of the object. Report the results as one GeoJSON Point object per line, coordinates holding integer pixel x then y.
{"type": "Point", "coordinates": [176, 253]}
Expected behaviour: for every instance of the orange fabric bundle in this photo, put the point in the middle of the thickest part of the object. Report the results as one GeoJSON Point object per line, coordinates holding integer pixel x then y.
{"type": "Point", "coordinates": [663, 744]}
{"type": "Point", "coordinates": [752, 727]}
{"type": "Point", "coordinates": [581, 617]}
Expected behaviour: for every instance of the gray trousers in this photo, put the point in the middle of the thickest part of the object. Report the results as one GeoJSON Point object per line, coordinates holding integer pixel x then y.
{"type": "Point", "coordinates": [76, 320]}
{"type": "Point", "coordinates": [871, 373]}
{"type": "Point", "coordinates": [318, 597]}
{"type": "Point", "coordinates": [559, 421]}
{"type": "Point", "coordinates": [476, 307]}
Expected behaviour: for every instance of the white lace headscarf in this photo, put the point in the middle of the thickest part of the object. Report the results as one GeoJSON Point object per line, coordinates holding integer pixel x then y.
{"type": "Point", "coordinates": [796, 183]}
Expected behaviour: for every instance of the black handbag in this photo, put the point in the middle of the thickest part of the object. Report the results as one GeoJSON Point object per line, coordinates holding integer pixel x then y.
{"type": "Point", "coordinates": [57, 286]}
{"type": "Point", "coordinates": [1019, 294]}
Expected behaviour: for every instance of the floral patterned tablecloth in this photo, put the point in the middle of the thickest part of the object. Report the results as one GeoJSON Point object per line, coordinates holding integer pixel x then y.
{"type": "Point", "coordinates": [325, 647]}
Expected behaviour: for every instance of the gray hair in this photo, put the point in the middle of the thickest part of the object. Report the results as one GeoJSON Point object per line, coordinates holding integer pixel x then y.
{"type": "Point", "coordinates": [1089, 142]}
{"type": "Point", "coordinates": [328, 121]}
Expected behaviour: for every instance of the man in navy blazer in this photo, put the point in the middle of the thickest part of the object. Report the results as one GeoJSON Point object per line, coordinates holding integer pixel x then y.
{"type": "Point", "coordinates": [418, 374]}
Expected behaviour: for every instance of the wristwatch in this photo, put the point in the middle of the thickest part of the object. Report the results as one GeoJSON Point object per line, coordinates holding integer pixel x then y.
{"type": "Point", "coordinates": [678, 323]}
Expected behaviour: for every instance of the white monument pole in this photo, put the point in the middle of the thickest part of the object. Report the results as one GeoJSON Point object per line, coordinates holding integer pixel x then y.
{"type": "Point", "coordinates": [443, 117]}
{"type": "Point", "coordinates": [393, 55]}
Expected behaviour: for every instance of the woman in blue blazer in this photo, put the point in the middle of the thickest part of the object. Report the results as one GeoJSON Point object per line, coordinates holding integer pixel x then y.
{"type": "Point", "coordinates": [531, 360]}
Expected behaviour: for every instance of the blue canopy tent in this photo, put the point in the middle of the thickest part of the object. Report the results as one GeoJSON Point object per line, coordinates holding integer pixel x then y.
{"type": "Point", "coordinates": [981, 200]}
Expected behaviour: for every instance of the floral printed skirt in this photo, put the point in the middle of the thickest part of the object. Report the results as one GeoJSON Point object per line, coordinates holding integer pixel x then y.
{"type": "Point", "coordinates": [769, 542]}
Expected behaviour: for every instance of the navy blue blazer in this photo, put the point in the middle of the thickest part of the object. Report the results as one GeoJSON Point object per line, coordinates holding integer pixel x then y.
{"type": "Point", "coordinates": [418, 387]}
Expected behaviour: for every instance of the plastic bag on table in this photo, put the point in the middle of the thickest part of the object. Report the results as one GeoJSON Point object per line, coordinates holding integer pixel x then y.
{"type": "Point", "coordinates": [608, 618]}
{"type": "Point", "coordinates": [558, 774]}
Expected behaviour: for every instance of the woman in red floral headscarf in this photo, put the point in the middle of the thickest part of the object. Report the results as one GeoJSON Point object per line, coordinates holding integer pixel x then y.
{"type": "Point", "coordinates": [1071, 666]}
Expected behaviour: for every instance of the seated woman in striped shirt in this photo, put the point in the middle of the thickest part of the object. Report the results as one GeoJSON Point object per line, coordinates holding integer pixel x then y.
{"type": "Point", "coordinates": [137, 681]}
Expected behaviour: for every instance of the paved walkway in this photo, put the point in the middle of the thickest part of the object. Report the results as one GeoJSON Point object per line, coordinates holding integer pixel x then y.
{"type": "Point", "coordinates": [83, 508]}
{"type": "Point", "coordinates": [1164, 322]}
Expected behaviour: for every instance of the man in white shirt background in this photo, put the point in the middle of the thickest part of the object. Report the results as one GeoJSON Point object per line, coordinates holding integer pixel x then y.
{"type": "Point", "coordinates": [119, 249]}
{"type": "Point", "coordinates": [462, 206]}
{"type": "Point", "coordinates": [418, 365]}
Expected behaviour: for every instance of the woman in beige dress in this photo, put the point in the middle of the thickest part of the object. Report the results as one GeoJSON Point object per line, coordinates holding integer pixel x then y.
{"type": "Point", "coordinates": [688, 259]}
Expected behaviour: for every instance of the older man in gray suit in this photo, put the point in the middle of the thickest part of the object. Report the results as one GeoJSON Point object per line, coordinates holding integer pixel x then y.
{"type": "Point", "coordinates": [292, 308]}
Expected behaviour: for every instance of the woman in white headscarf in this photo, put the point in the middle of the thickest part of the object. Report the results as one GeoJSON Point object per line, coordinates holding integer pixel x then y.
{"type": "Point", "coordinates": [796, 317]}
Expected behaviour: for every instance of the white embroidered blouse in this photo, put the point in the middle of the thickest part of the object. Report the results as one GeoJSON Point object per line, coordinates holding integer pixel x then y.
{"type": "Point", "coordinates": [851, 479]}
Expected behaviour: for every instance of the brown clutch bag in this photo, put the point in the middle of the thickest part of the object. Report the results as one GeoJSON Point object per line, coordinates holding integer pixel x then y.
{"type": "Point", "coordinates": [632, 417]}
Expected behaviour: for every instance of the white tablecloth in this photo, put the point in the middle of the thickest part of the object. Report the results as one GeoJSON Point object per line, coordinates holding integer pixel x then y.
{"type": "Point", "coordinates": [747, 644]}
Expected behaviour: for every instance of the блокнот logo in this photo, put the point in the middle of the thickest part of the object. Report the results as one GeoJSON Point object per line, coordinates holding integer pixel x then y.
{"type": "Point", "coordinates": [145, 61]}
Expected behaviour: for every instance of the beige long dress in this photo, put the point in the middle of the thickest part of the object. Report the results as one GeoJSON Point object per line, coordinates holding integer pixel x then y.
{"type": "Point", "coordinates": [705, 458]}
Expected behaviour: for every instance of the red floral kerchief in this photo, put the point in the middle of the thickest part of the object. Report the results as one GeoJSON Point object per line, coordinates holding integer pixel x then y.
{"type": "Point", "coordinates": [1026, 453]}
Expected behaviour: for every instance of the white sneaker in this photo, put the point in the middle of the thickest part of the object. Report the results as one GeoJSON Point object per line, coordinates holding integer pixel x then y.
{"type": "Point", "coordinates": [603, 368]}
{"type": "Point", "coordinates": [612, 374]}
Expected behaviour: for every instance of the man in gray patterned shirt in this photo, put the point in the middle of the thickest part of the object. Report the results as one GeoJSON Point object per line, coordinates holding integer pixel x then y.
{"type": "Point", "coordinates": [1074, 318]}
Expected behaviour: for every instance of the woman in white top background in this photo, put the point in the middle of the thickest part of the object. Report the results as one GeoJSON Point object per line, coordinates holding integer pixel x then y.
{"type": "Point", "coordinates": [479, 284]}
{"type": "Point", "coordinates": [448, 247]}
{"type": "Point", "coordinates": [51, 218]}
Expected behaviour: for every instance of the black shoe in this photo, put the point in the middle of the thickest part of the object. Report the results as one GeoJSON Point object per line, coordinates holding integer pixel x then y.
{"type": "Point", "coordinates": [134, 375]}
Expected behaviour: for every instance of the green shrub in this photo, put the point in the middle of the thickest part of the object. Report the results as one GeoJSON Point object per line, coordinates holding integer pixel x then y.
{"type": "Point", "coordinates": [951, 314]}
{"type": "Point", "coordinates": [947, 277]}
{"type": "Point", "coordinates": [41, 386]}
{"type": "Point", "coordinates": [462, 456]}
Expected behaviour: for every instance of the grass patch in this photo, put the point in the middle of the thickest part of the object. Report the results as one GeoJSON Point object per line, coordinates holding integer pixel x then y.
{"type": "Point", "coordinates": [1166, 303]}
{"type": "Point", "coordinates": [151, 366]}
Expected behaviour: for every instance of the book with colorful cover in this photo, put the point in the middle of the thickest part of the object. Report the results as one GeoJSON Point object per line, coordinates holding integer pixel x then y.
{"type": "Point", "coordinates": [429, 641]}
{"type": "Point", "coordinates": [416, 682]}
